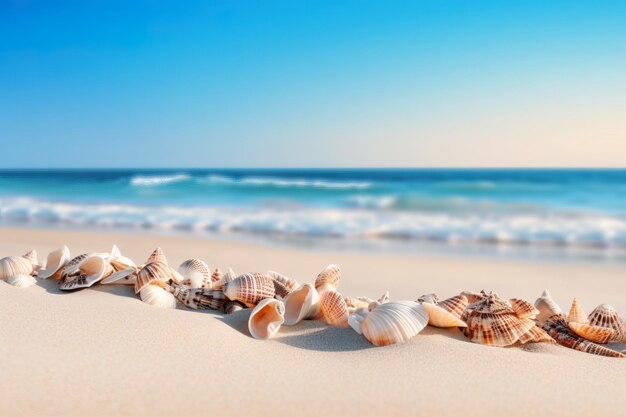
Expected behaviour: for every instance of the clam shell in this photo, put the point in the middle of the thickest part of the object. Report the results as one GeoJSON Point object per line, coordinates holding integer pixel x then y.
{"type": "Point", "coordinates": [266, 318]}
{"type": "Point", "coordinates": [455, 305]}
{"type": "Point", "coordinates": [91, 270]}
{"type": "Point", "coordinates": [250, 288]}
{"type": "Point", "coordinates": [394, 322]}
{"type": "Point", "coordinates": [23, 281]}
{"type": "Point", "coordinates": [557, 328]}
{"type": "Point", "coordinates": [15, 265]}
{"type": "Point", "coordinates": [195, 273]}
{"type": "Point", "coordinates": [577, 314]}
{"type": "Point", "coordinates": [523, 309]}
{"type": "Point", "coordinates": [123, 277]}
{"type": "Point", "coordinates": [328, 278]}
{"type": "Point", "coordinates": [155, 271]}
{"type": "Point", "coordinates": [595, 334]}
{"type": "Point", "coordinates": [606, 316]}
{"type": "Point", "coordinates": [301, 304]}
{"type": "Point", "coordinates": [57, 259]}
{"type": "Point", "coordinates": [334, 309]}
{"type": "Point", "coordinates": [157, 256]}
{"type": "Point", "coordinates": [441, 317]}
{"type": "Point", "coordinates": [546, 306]}
{"type": "Point", "coordinates": [198, 298]}
{"type": "Point", "coordinates": [157, 296]}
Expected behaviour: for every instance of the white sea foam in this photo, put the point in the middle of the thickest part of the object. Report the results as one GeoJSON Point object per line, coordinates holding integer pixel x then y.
{"type": "Point", "coordinates": [289, 183]}
{"type": "Point", "coordinates": [152, 180]}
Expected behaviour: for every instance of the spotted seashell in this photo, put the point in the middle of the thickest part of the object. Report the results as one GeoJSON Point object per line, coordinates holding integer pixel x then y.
{"type": "Point", "coordinates": [56, 261]}
{"type": "Point", "coordinates": [90, 270]}
{"type": "Point", "coordinates": [250, 288]}
{"type": "Point", "coordinates": [557, 328]}
{"type": "Point", "coordinates": [266, 318]}
{"type": "Point", "coordinates": [390, 323]}
{"type": "Point", "coordinates": [195, 273]}
{"type": "Point", "coordinates": [198, 298]}
{"type": "Point", "coordinates": [606, 316]}
{"type": "Point", "coordinates": [577, 314]}
{"type": "Point", "coordinates": [156, 295]}
{"type": "Point", "coordinates": [439, 316]}
{"type": "Point", "coordinates": [523, 309]}
{"type": "Point", "coordinates": [16, 265]}
{"type": "Point", "coordinates": [233, 306]}
{"type": "Point", "coordinates": [155, 271]}
{"type": "Point", "coordinates": [301, 304]}
{"type": "Point", "coordinates": [546, 306]}
{"type": "Point", "coordinates": [22, 281]}
{"type": "Point", "coordinates": [595, 334]}
{"type": "Point", "coordinates": [328, 279]}
{"type": "Point", "coordinates": [334, 309]}
{"type": "Point", "coordinates": [157, 256]}
{"type": "Point", "coordinates": [282, 284]}
{"type": "Point", "coordinates": [70, 270]}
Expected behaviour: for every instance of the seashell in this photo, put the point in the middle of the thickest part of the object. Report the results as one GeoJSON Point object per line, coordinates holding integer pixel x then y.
{"type": "Point", "coordinates": [91, 270]}
{"type": "Point", "coordinates": [197, 298]}
{"type": "Point", "coordinates": [227, 277]}
{"type": "Point", "coordinates": [523, 309]}
{"type": "Point", "coordinates": [233, 306]}
{"type": "Point", "coordinates": [576, 314]}
{"type": "Point", "coordinates": [123, 277]}
{"type": "Point", "coordinates": [334, 308]}
{"type": "Point", "coordinates": [266, 318]}
{"type": "Point", "coordinates": [118, 261]}
{"type": "Point", "coordinates": [155, 295]}
{"type": "Point", "coordinates": [301, 304]}
{"type": "Point", "coordinates": [157, 256]}
{"type": "Point", "coordinates": [492, 321]}
{"type": "Point", "coordinates": [557, 328]}
{"type": "Point", "coordinates": [355, 319]}
{"type": "Point", "coordinates": [250, 288]}
{"type": "Point", "coordinates": [283, 285]}
{"type": "Point", "coordinates": [216, 275]}
{"type": "Point", "coordinates": [595, 334]}
{"type": "Point", "coordinates": [536, 334]}
{"type": "Point", "coordinates": [455, 305]}
{"type": "Point", "coordinates": [70, 270]}
{"type": "Point", "coordinates": [57, 259]}
{"type": "Point", "coordinates": [155, 271]}
{"type": "Point", "coordinates": [392, 322]}
{"type": "Point", "coordinates": [365, 302]}
{"type": "Point", "coordinates": [547, 307]}
{"type": "Point", "coordinates": [606, 316]}
{"type": "Point", "coordinates": [20, 280]}
{"type": "Point", "coordinates": [31, 256]}
{"type": "Point", "coordinates": [441, 317]}
{"type": "Point", "coordinates": [428, 298]}
{"type": "Point", "coordinates": [328, 279]}
{"type": "Point", "coordinates": [195, 273]}
{"type": "Point", "coordinates": [16, 265]}
{"type": "Point", "coordinates": [472, 297]}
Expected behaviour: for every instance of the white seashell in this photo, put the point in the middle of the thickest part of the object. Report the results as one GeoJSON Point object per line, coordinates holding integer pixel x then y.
{"type": "Point", "coordinates": [301, 304]}
{"type": "Point", "coordinates": [16, 265]}
{"type": "Point", "coordinates": [21, 280]}
{"type": "Point", "coordinates": [266, 318]}
{"type": "Point", "coordinates": [157, 296]}
{"type": "Point", "coordinates": [547, 307]}
{"type": "Point", "coordinates": [123, 277]}
{"type": "Point", "coordinates": [196, 273]}
{"type": "Point", "coordinates": [355, 320]}
{"type": "Point", "coordinates": [91, 270]}
{"type": "Point", "coordinates": [56, 261]}
{"type": "Point", "coordinates": [394, 322]}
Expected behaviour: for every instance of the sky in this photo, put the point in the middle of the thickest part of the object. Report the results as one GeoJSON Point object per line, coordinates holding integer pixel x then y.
{"type": "Point", "coordinates": [312, 83]}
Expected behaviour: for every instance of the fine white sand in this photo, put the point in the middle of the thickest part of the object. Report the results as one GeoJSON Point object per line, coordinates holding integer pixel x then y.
{"type": "Point", "coordinates": [101, 351]}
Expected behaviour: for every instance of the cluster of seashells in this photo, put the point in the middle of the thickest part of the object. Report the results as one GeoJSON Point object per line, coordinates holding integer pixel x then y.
{"type": "Point", "coordinates": [276, 300]}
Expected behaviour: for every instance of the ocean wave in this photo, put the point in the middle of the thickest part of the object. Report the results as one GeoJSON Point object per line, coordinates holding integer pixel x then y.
{"type": "Point", "coordinates": [289, 183]}
{"type": "Point", "coordinates": [553, 230]}
{"type": "Point", "coordinates": [152, 180]}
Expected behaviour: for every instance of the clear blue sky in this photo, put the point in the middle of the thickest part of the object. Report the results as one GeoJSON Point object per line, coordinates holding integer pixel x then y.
{"type": "Point", "coordinates": [312, 83]}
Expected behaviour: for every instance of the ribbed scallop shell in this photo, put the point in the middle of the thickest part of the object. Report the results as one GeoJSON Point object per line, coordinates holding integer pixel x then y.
{"type": "Point", "coordinates": [198, 298]}
{"type": "Point", "coordinates": [473, 297]}
{"type": "Point", "coordinates": [523, 309]}
{"type": "Point", "coordinates": [334, 308]}
{"type": "Point", "coordinates": [606, 316]}
{"type": "Point", "coordinates": [157, 296]}
{"type": "Point", "coordinates": [577, 314]}
{"type": "Point", "coordinates": [250, 288]}
{"type": "Point", "coordinates": [266, 318]}
{"type": "Point", "coordinates": [55, 262]}
{"type": "Point", "coordinates": [157, 256]}
{"type": "Point", "coordinates": [196, 273]}
{"type": "Point", "coordinates": [301, 304]}
{"type": "Point", "coordinates": [556, 327]}
{"type": "Point", "coordinates": [155, 271]}
{"type": "Point", "coordinates": [536, 334]}
{"type": "Point", "coordinates": [15, 265]}
{"type": "Point", "coordinates": [455, 305]}
{"type": "Point", "coordinates": [91, 270]}
{"type": "Point", "coordinates": [546, 306]}
{"type": "Point", "coordinates": [439, 316]}
{"type": "Point", "coordinates": [22, 281]}
{"type": "Point", "coordinates": [330, 276]}
{"type": "Point", "coordinates": [595, 334]}
{"type": "Point", "coordinates": [282, 284]}
{"type": "Point", "coordinates": [393, 322]}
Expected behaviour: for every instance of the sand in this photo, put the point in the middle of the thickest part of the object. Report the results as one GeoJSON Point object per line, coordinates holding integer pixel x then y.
{"type": "Point", "coordinates": [101, 351]}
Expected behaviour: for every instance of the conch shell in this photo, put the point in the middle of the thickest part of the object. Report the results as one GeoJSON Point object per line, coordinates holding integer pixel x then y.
{"type": "Point", "coordinates": [301, 304]}
{"type": "Point", "coordinates": [157, 256]}
{"type": "Point", "coordinates": [606, 316]}
{"type": "Point", "coordinates": [250, 288]}
{"type": "Point", "coordinates": [577, 314]}
{"type": "Point", "coordinates": [91, 270]}
{"type": "Point", "coordinates": [197, 298]}
{"type": "Point", "coordinates": [438, 313]}
{"type": "Point", "coordinates": [156, 295]}
{"type": "Point", "coordinates": [546, 306]}
{"type": "Point", "coordinates": [196, 273]}
{"type": "Point", "coordinates": [19, 265]}
{"type": "Point", "coordinates": [56, 261]}
{"type": "Point", "coordinates": [579, 324]}
{"type": "Point", "coordinates": [558, 329]}
{"type": "Point", "coordinates": [390, 323]}
{"type": "Point", "coordinates": [23, 281]}
{"type": "Point", "coordinates": [266, 318]}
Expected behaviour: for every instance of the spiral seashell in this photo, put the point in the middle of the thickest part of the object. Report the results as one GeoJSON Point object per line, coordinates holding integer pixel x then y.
{"type": "Point", "coordinates": [301, 304]}
{"type": "Point", "coordinates": [56, 261]}
{"type": "Point", "coordinates": [16, 265]}
{"type": "Point", "coordinates": [155, 271]}
{"type": "Point", "coordinates": [196, 273]}
{"type": "Point", "coordinates": [577, 314]}
{"type": "Point", "coordinates": [266, 318]}
{"type": "Point", "coordinates": [557, 328]}
{"type": "Point", "coordinates": [547, 307]}
{"type": "Point", "coordinates": [157, 256]}
{"type": "Point", "coordinates": [595, 334]}
{"type": "Point", "coordinates": [328, 279]}
{"type": "Point", "coordinates": [91, 270]}
{"type": "Point", "coordinates": [606, 316]}
{"type": "Point", "coordinates": [233, 306]}
{"type": "Point", "coordinates": [155, 295]}
{"type": "Point", "coordinates": [197, 298]}
{"type": "Point", "coordinates": [523, 309]}
{"type": "Point", "coordinates": [441, 317]}
{"type": "Point", "coordinates": [334, 308]}
{"type": "Point", "coordinates": [22, 281]}
{"type": "Point", "coordinates": [392, 322]}
{"type": "Point", "coordinates": [250, 288]}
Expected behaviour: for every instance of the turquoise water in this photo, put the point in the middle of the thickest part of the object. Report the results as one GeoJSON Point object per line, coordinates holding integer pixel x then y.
{"type": "Point", "coordinates": [539, 208]}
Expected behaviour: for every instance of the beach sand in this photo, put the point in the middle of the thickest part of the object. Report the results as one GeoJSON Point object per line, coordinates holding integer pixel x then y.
{"type": "Point", "coordinates": [101, 351]}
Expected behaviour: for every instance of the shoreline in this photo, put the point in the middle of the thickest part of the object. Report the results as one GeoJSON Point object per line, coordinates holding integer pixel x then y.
{"type": "Point", "coordinates": [101, 351]}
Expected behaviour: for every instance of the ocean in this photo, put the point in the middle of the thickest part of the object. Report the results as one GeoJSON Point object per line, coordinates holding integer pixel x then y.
{"type": "Point", "coordinates": [460, 208]}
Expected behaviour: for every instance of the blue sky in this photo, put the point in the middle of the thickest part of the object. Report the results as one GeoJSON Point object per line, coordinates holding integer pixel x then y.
{"type": "Point", "coordinates": [312, 83]}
